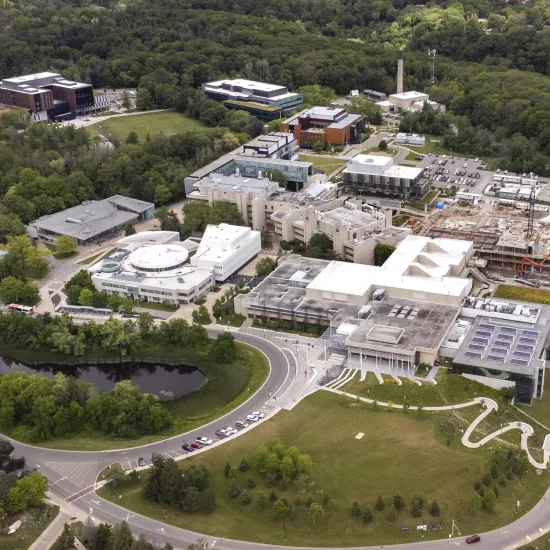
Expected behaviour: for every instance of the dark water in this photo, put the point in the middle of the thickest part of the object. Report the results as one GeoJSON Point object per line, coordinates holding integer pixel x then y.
{"type": "Point", "coordinates": [164, 381]}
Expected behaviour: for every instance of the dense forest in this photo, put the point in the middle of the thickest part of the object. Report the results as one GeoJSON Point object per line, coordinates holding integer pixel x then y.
{"type": "Point", "coordinates": [490, 74]}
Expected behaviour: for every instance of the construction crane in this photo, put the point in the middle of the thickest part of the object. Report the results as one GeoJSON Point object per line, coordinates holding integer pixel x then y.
{"type": "Point", "coordinates": [526, 260]}
{"type": "Point", "coordinates": [531, 214]}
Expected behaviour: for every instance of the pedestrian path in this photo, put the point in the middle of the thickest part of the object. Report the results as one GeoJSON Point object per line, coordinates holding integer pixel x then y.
{"type": "Point", "coordinates": [489, 406]}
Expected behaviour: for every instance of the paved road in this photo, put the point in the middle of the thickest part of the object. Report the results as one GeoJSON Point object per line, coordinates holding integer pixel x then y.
{"type": "Point", "coordinates": [81, 468]}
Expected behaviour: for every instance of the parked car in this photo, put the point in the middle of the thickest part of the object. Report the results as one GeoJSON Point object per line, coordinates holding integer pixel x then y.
{"type": "Point", "coordinates": [230, 431]}
{"type": "Point", "coordinates": [204, 441]}
{"type": "Point", "coordinates": [221, 433]}
{"type": "Point", "coordinates": [473, 538]}
{"type": "Point", "coordinates": [196, 445]}
{"type": "Point", "coordinates": [252, 418]}
{"type": "Point", "coordinates": [141, 462]}
{"type": "Point", "coordinates": [242, 424]}
{"type": "Point", "coordinates": [258, 414]}
{"type": "Point", "coordinates": [187, 447]}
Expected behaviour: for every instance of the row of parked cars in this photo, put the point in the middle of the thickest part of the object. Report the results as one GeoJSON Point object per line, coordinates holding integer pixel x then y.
{"type": "Point", "coordinates": [224, 432]}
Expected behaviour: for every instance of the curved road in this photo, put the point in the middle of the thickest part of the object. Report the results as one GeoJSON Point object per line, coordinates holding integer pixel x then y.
{"type": "Point", "coordinates": [72, 475]}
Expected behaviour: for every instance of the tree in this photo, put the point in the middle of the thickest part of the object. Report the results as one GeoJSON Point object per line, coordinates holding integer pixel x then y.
{"type": "Point", "coordinates": [146, 324]}
{"type": "Point", "coordinates": [304, 464]}
{"type": "Point", "coordinates": [355, 509]}
{"type": "Point", "coordinates": [434, 509]}
{"type": "Point", "coordinates": [10, 226]}
{"type": "Point", "coordinates": [262, 502]}
{"type": "Point", "coordinates": [398, 502]}
{"type": "Point", "coordinates": [199, 544]}
{"type": "Point", "coordinates": [14, 290]}
{"type": "Point", "coordinates": [273, 464]}
{"type": "Point", "coordinates": [118, 336]}
{"type": "Point", "coordinates": [201, 316]}
{"type": "Point", "coordinates": [234, 489]}
{"type": "Point", "coordinates": [195, 216]}
{"type": "Point", "coordinates": [382, 252]}
{"type": "Point", "coordinates": [392, 513]}
{"type": "Point", "coordinates": [417, 504]}
{"type": "Point", "coordinates": [382, 144]}
{"type": "Point", "coordinates": [379, 503]}
{"type": "Point", "coordinates": [475, 502]}
{"type": "Point", "coordinates": [144, 100]}
{"type": "Point", "coordinates": [28, 491]}
{"type": "Point", "coordinates": [265, 266]}
{"type": "Point", "coordinates": [168, 219]}
{"type": "Point", "coordinates": [85, 297]}
{"type": "Point", "coordinates": [317, 95]}
{"type": "Point", "coordinates": [244, 467]}
{"type": "Point", "coordinates": [281, 512]}
{"type": "Point", "coordinates": [367, 515]}
{"type": "Point", "coordinates": [287, 467]}
{"type": "Point", "coordinates": [245, 498]}
{"type": "Point", "coordinates": [319, 246]}
{"type": "Point", "coordinates": [317, 147]}
{"type": "Point", "coordinates": [223, 348]}
{"type": "Point", "coordinates": [315, 513]}
{"type": "Point", "coordinates": [224, 212]}
{"type": "Point", "coordinates": [259, 459]}
{"type": "Point", "coordinates": [129, 229]}
{"type": "Point", "coordinates": [121, 538]}
{"type": "Point", "coordinates": [226, 469]}
{"type": "Point", "coordinates": [29, 258]}
{"type": "Point", "coordinates": [66, 539]}
{"type": "Point", "coordinates": [489, 500]}
{"type": "Point", "coordinates": [250, 482]}
{"type": "Point", "coordinates": [65, 246]}
{"type": "Point", "coordinates": [126, 102]}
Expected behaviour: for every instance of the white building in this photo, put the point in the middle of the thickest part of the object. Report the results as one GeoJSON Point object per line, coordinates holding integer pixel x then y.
{"type": "Point", "coordinates": [224, 249]}
{"type": "Point", "coordinates": [407, 101]}
{"type": "Point", "coordinates": [410, 139]}
{"type": "Point", "coordinates": [154, 265]}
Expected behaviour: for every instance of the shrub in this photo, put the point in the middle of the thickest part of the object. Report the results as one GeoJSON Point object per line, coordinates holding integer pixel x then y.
{"type": "Point", "coordinates": [398, 502]}
{"type": "Point", "coordinates": [262, 502]}
{"type": "Point", "coordinates": [486, 480]}
{"type": "Point", "coordinates": [245, 498]}
{"type": "Point", "coordinates": [355, 509]}
{"type": "Point", "coordinates": [283, 484]}
{"type": "Point", "coordinates": [392, 513]}
{"type": "Point", "coordinates": [244, 467]}
{"type": "Point", "coordinates": [227, 469]}
{"type": "Point", "coordinates": [367, 516]}
{"type": "Point", "coordinates": [434, 509]}
{"type": "Point", "coordinates": [494, 470]}
{"type": "Point", "coordinates": [250, 482]}
{"type": "Point", "coordinates": [234, 489]}
{"type": "Point", "coordinates": [272, 496]}
{"type": "Point", "coordinates": [502, 482]}
{"type": "Point", "coordinates": [379, 503]}
{"type": "Point", "coordinates": [309, 502]}
{"type": "Point", "coordinates": [270, 480]}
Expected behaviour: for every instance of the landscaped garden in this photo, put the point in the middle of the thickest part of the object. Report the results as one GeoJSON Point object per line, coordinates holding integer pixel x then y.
{"type": "Point", "coordinates": [366, 473]}
{"type": "Point", "coordinates": [509, 292]}
{"type": "Point", "coordinates": [35, 521]}
{"type": "Point", "coordinates": [325, 163]}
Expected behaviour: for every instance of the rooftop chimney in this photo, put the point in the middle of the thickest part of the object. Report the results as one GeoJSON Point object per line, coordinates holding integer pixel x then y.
{"type": "Point", "coordinates": [400, 71]}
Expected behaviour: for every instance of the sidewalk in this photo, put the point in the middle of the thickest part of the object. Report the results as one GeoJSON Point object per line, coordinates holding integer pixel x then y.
{"type": "Point", "coordinates": [50, 534]}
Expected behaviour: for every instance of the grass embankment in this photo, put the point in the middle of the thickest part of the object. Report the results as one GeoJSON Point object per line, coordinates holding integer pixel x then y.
{"type": "Point", "coordinates": [167, 122]}
{"type": "Point", "coordinates": [450, 389]}
{"type": "Point", "coordinates": [227, 386]}
{"type": "Point", "coordinates": [35, 521]}
{"type": "Point", "coordinates": [400, 452]}
{"type": "Point", "coordinates": [97, 257]}
{"type": "Point", "coordinates": [327, 164]}
{"type": "Point", "coordinates": [524, 293]}
{"type": "Point", "coordinates": [540, 408]}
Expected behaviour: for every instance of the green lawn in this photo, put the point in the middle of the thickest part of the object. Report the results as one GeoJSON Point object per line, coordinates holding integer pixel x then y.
{"type": "Point", "coordinates": [226, 387]}
{"type": "Point", "coordinates": [400, 219]}
{"type": "Point", "coordinates": [36, 521]}
{"type": "Point", "coordinates": [526, 293]}
{"type": "Point", "coordinates": [399, 452]}
{"type": "Point", "coordinates": [169, 122]}
{"type": "Point", "coordinates": [328, 164]}
{"type": "Point", "coordinates": [449, 390]}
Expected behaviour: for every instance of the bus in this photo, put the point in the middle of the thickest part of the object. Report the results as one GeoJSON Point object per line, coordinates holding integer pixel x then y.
{"type": "Point", "coordinates": [27, 310]}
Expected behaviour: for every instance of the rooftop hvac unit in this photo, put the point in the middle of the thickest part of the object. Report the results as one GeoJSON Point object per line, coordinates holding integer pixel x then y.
{"type": "Point", "coordinates": [378, 295]}
{"type": "Point", "coordinates": [454, 338]}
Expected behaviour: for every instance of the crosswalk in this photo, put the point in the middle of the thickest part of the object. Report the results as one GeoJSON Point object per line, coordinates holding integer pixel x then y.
{"type": "Point", "coordinates": [78, 473]}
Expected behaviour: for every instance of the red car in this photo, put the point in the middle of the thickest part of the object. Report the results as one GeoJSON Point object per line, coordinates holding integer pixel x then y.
{"type": "Point", "coordinates": [472, 539]}
{"type": "Point", "coordinates": [196, 445]}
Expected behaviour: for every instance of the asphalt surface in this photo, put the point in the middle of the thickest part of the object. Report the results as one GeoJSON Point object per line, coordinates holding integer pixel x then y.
{"type": "Point", "coordinates": [72, 475]}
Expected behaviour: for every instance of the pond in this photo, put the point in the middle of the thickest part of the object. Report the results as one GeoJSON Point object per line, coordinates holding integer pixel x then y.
{"type": "Point", "coordinates": [163, 381]}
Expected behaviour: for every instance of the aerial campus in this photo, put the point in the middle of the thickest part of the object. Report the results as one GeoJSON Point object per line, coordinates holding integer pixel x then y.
{"type": "Point", "coordinates": [245, 305]}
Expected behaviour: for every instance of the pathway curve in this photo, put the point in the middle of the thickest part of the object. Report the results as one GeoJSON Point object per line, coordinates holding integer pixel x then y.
{"type": "Point", "coordinates": [489, 406]}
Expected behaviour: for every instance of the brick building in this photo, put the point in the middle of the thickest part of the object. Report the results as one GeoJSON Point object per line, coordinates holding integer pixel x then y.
{"type": "Point", "coordinates": [328, 125]}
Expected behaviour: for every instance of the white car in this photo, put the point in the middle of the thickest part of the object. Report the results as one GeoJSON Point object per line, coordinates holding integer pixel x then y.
{"type": "Point", "coordinates": [241, 424]}
{"type": "Point", "coordinates": [252, 418]}
{"type": "Point", "coordinates": [258, 414]}
{"type": "Point", "coordinates": [204, 441]}
{"type": "Point", "coordinates": [230, 431]}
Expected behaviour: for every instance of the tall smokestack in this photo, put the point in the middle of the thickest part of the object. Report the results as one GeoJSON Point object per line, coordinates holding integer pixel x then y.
{"type": "Point", "coordinates": [400, 71]}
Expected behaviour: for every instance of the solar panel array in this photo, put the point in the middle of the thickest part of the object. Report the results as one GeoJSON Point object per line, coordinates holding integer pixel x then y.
{"type": "Point", "coordinates": [500, 344]}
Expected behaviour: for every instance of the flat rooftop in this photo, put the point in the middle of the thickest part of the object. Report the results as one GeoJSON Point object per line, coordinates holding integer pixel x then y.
{"type": "Point", "coordinates": [345, 277]}
{"type": "Point", "coordinates": [338, 117]}
{"type": "Point", "coordinates": [409, 95]}
{"type": "Point", "coordinates": [242, 184]}
{"type": "Point", "coordinates": [403, 325]}
{"type": "Point", "coordinates": [352, 218]}
{"type": "Point", "coordinates": [493, 343]}
{"type": "Point", "coordinates": [249, 84]}
{"type": "Point", "coordinates": [30, 77]}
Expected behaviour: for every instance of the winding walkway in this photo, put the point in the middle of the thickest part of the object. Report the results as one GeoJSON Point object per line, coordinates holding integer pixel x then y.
{"type": "Point", "coordinates": [489, 406]}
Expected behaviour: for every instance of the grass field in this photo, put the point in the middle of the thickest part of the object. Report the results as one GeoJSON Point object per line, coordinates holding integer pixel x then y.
{"type": "Point", "coordinates": [526, 293]}
{"type": "Point", "coordinates": [540, 408]}
{"type": "Point", "coordinates": [226, 387]}
{"type": "Point", "coordinates": [169, 122]}
{"type": "Point", "coordinates": [328, 164]}
{"type": "Point", "coordinates": [406, 453]}
{"type": "Point", "coordinates": [36, 521]}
